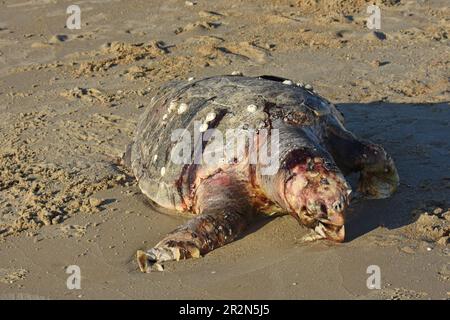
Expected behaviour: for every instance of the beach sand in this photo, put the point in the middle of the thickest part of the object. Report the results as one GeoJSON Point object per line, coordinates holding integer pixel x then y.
{"type": "Point", "coordinates": [70, 101]}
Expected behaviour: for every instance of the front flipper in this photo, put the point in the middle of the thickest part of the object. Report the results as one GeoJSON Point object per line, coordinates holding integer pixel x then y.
{"type": "Point", "coordinates": [378, 175]}
{"type": "Point", "coordinates": [224, 212]}
{"type": "Point", "coordinates": [378, 178]}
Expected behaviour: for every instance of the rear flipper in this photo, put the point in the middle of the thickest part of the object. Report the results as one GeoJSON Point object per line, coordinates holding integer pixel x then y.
{"type": "Point", "coordinates": [378, 175]}
{"type": "Point", "coordinates": [223, 216]}
{"type": "Point", "coordinates": [378, 178]}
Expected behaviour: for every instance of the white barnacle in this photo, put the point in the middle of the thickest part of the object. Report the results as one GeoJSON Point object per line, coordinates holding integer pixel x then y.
{"type": "Point", "coordinates": [203, 127]}
{"type": "Point", "coordinates": [172, 106]}
{"type": "Point", "coordinates": [190, 79]}
{"type": "Point", "coordinates": [300, 84]}
{"type": "Point", "coordinates": [308, 86]}
{"type": "Point", "coordinates": [251, 108]}
{"type": "Point", "coordinates": [155, 157]}
{"type": "Point", "coordinates": [164, 117]}
{"type": "Point", "coordinates": [210, 116]}
{"type": "Point", "coordinates": [288, 82]}
{"type": "Point", "coordinates": [182, 108]}
{"type": "Point", "coordinates": [163, 171]}
{"type": "Point", "coordinates": [236, 73]}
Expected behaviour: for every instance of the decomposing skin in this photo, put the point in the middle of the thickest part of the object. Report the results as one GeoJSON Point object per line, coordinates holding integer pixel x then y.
{"type": "Point", "coordinates": [315, 152]}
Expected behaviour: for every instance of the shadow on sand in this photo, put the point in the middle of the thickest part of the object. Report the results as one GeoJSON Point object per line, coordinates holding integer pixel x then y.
{"type": "Point", "coordinates": [418, 138]}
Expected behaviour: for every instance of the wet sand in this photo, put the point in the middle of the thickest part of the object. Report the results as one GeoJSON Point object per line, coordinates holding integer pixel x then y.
{"type": "Point", "coordinates": [70, 100]}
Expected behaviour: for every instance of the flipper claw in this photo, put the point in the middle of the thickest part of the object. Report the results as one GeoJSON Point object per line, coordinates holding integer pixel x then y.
{"type": "Point", "coordinates": [151, 260]}
{"type": "Point", "coordinates": [313, 236]}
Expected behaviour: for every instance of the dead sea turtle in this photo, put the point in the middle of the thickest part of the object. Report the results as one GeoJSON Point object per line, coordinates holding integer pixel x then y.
{"type": "Point", "coordinates": [314, 152]}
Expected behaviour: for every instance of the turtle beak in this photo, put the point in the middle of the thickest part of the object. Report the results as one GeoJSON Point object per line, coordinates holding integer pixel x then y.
{"type": "Point", "coordinates": [327, 221]}
{"type": "Point", "coordinates": [332, 228]}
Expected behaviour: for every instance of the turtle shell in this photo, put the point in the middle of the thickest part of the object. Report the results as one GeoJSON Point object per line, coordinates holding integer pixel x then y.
{"type": "Point", "coordinates": [222, 102]}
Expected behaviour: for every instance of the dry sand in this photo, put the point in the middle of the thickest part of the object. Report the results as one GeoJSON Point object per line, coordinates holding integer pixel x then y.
{"type": "Point", "coordinates": [70, 99]}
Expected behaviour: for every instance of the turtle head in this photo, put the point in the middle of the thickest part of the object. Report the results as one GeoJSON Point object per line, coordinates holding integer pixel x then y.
{"type": "Point", "coordinates": [318, 195]}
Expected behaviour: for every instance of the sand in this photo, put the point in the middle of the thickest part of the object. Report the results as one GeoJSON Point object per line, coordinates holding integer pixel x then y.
{"type": "Point", "coordinates": [70, 100]}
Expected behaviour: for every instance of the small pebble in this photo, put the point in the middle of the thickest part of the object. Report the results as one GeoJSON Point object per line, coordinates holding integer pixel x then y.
{"type": "Point", "coordinates": [376, 35]}
{"type": "Point", "coordinates": [95, 202]}
{"type": "Point", "coordinates": [375, 63]}
{"type": "Point", "coordinates": [121, 177]}
{"type": "Point", "coordinates": [58, 38]}
{"type": "Point", "coordinates": [288, 82]}
{"type": "Point", "coordinates": [408, 250]}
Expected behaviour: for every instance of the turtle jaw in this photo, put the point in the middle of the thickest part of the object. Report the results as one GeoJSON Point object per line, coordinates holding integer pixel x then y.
{"type": "Point", "coordinates": [330, 231]}
{"type": "Point", "coordinates": [330, 226]}
{"type": "Point", "coordinates": [325, 213]}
